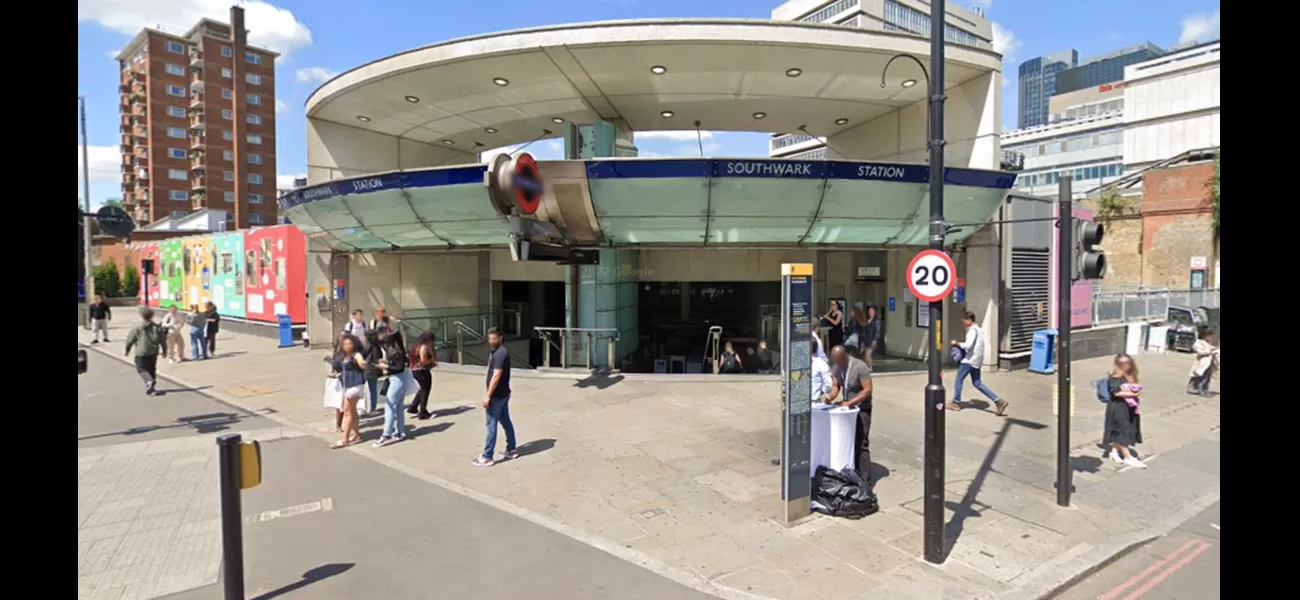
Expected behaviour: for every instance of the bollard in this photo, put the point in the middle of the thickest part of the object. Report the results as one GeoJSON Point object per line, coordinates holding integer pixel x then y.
{"type": "Point", "coordinates": [240, 465]}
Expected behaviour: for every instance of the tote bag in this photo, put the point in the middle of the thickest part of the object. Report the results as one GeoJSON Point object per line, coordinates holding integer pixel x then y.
{"type": "Point", "coordinates": [333, 393]}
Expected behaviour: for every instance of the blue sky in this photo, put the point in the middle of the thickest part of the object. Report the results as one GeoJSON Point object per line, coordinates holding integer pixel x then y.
{"type": "Point", "coordinates": [321, 37]}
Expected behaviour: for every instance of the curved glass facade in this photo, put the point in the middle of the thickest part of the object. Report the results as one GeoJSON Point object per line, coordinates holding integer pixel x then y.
{"type": "Point", "coordinates": [659, 201]}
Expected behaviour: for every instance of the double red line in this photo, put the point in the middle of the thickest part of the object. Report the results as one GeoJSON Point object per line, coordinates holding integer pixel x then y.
{"type": "Point", "coordinates": [1157, 573]}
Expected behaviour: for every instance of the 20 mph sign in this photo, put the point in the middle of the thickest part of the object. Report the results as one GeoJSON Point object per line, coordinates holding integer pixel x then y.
{"type": "Point", "coordinates": [931, 275]}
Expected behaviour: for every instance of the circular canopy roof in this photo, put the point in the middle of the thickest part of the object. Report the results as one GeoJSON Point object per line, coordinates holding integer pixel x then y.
{"type": "Point", "coordinates": [506, 88]}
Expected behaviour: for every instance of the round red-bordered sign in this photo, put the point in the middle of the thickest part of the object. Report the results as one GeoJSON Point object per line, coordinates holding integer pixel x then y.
{"type": "Point", "coordinates": [931, 275]}
{"type": "Point", "coordinates": [527, 197]}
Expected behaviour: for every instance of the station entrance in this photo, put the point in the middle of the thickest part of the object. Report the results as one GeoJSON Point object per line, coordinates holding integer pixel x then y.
{"type": "Point", "coordinates": [685, 326]}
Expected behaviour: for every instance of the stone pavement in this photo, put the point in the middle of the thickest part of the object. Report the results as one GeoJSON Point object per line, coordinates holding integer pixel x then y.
{"type": "Point", "coordinates": [677, 476]}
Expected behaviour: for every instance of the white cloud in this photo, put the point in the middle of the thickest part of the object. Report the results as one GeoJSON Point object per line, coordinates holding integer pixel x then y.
{"type": "Point", "coordinates": [1005, 42]}
{"type": "Point", "coordinates": [269, 26]}
{"type": "Point", "coordinates": [281, 105]}
{"type": "Point", "coordinates": [112, 54]}
{"type": "Point", "coordinates": [1200, 27]}
{"type": "Point", "coordinates": [686, 134]}
{"type": "Point", "coordinates": [104, 161]}
{"type": "Point", "coordinates": [316, 74]}
{"type": "Point", "coordinates": [555, 146]}
{"type": "Point", "coordinates": [285, 182]}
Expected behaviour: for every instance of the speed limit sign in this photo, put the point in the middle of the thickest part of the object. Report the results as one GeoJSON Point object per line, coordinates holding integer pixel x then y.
{"type": "Point", "coordinates": [931, 275]}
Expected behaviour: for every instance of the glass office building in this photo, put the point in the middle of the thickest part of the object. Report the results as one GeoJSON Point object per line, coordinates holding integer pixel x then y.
{"type": "Point", "coordinates": [1107, 68]}
{"type": "Point", "coordinates": [1038, 81]}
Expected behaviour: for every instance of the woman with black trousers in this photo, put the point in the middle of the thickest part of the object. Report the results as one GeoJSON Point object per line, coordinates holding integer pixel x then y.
{"type": "Point", "coordinates": [423, 359]}
{"type": "Point", "coordinates": [214, 325]}
{"type": "Point", "coordinates": [373, 352]}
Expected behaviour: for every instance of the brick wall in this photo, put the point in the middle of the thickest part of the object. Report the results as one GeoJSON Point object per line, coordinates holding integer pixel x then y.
{"type": "Point", "coordinates": [1153, 242]}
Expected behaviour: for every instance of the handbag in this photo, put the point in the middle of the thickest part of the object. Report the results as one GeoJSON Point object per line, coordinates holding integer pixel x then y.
{"type": "Point", "coordinates": [383, 387]}
{"type": "Point", "coordinates": [333, 396]}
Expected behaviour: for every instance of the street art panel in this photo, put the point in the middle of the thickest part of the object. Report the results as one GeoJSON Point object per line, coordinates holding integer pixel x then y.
{"type": "Point", "coordinates": [196, 265]}
{"type": "Point", "coordinates": [171, 274]}
{"type": "Point", "coordinates": [275, 268]}
{"type": "Point", "coordinates": [227, 291]}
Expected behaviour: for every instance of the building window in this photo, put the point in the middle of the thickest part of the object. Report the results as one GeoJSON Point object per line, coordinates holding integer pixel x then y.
{"type": "Point", "coordinates": [830, 11]}
{"type": "Point", "coordinates": [176, 214]}
{"type": "Point", "coordinates": [255, 179]}
{"type": "Point", "coordinates": [254, 119]}
{"type": "Point", "coordinates": [226, 94]}
{"type": "Point", "coordinates": [226, 72]}
{"type": "Point", "coordinates": [253, 59]}
{"type": "Point", "coordinates": [176, 111]}
{"type": "Point", "coordinates": [176, 47]}
{"type": "Point", "coordinates": [178, 195]}
{"type": "Point", "coordinates": [177, 174]}
{"type": "Point", "coordinates": [176, 132]}
{"type": "Point", "coordinates": [254, 159]}
{"type": "Point", "coordinates": [227, 52]}
{"type": "Point", "coordinates": [254, 198]}
{"type": "Point", "coordinates": [174, 69]}
{"type": "Point", "coordinates": [227, 114]}
{"type": "Point", "coordinates": [229, 196]}
{"type": "Point", "coordinates": [176, 153]}
{"type": "Point", "coordinates": [227, 155]}
{"type": "Point", "coordinates": [253, 78]}
{"type": "Point", "coordinates": [176, 90]}
{"type": "Point", "coordinates": [254, 99]}
{"type": "Point", "coordinates": [254, 219]}
{"type": "Point", "coordinates": [255, 139]}
{"type": "Point", "coordinates": [228, 175]}
{"type": "Point", "coordinates": [227, 135]}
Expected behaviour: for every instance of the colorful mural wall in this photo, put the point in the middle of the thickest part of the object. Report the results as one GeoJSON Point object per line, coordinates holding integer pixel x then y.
{"type": "Point", "coordinates": [254, 274]}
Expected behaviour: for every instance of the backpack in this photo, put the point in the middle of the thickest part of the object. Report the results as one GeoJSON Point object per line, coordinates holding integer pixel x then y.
{"type": "Point", "coordinates": [729, 363]}
{"type": "Point", "coordinates": [842, 494]}
{"type": "Point", "coordinates": [1102, 387]}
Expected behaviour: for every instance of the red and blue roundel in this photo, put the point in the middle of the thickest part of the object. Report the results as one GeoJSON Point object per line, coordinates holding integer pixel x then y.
{"type": "Point", "coordinates": [526, 184]}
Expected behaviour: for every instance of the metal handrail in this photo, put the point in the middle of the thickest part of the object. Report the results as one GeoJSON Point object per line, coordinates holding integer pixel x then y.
{"type": "Point", "coordinates": [461, 330]}
{"type": "Point", "coordinates": [587, 333]}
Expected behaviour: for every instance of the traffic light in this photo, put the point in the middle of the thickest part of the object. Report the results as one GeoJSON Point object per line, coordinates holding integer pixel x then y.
{"type": "Point", "coordinates": [1089, 261]}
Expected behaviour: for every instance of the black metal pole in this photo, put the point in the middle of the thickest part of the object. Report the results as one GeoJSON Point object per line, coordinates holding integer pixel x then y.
{"type": "Point", "coordinates": [935, 396]}
{"type": "Point", "coordinates": [1064, 281]}
{"type": "Point", "coordinates": [146, 288]}
{"type": "Point", "coordinates": [232, 517]}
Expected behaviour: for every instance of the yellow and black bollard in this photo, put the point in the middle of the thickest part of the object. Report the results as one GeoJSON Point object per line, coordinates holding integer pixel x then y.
{"type": "Point", "coordinates": [241, 469]}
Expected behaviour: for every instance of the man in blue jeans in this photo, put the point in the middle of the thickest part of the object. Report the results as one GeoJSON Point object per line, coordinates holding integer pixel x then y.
{"type": "Point", "coordinates": [972, 361]}
{"type": "Point", "coordinates": [497, 402]}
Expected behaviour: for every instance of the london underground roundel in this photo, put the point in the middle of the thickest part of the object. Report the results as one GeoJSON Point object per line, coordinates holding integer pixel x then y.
{"type": "Point", "coordinates": [526, 184]}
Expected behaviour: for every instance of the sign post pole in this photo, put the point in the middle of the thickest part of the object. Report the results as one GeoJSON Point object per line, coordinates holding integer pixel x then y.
{"type": "Point", "coordinates": [935, 419]}
{"type": "Point", "coordinates": [1064, 285]}
{"type": "Point", "coordinates": [796, 389]}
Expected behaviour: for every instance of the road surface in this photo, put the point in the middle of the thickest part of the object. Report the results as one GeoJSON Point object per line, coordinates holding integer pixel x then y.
{"type": "Point", "coordinates": [1183, 565]}
{"type": "Point", "coordinates": [333, 524]}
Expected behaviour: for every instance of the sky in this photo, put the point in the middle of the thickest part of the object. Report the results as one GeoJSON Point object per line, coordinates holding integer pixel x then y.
{"type": "Point", "coordinates": [320, 38]}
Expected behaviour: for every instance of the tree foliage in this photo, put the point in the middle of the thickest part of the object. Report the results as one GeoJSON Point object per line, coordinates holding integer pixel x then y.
{"type": "Point", "coordinates": [1111, 205]}
{"type": "Point", "coordinates": [108, 282]}
{"type": "Point", "coordinates": [130, 281]}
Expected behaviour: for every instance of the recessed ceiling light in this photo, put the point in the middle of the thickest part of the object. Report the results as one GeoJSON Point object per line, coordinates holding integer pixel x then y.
{"type": "Point", "coordinates": [760, 115]}
{"type": "Point", "coordinates": [658, 69]}
{"type": "Point", "coordinates": [412, 99]}
{"type": "Point", "coordinates": [557, 120]}
{"type": "Point", "coordinates": [363, 118]}
{"type": "Point", "coordinates": [841, 121]}
{"type": "Point", "coordinates": [907, 83]}
{"type": "Point", "coordinates": [667, 114]}
{"type": "Point", "coordinates": [501, 81]}
{"type": "Point", "coordinates": [449, 142]}
{"type": "Point", "coordinates": [793, 72]}
{"type": "Point", "coordinates": [490, 129]}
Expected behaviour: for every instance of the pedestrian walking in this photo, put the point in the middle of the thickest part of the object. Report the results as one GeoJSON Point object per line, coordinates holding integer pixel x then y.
{"type": "Point", "coordinates": [870, 332]}
{"type": "Point", "coordinates": [373, 352]}
{"type": "Point", "coordinates": [356, 327]}
{"type": "Point", "coordinates": [146, 339]}
{"type": "Point", "coordinates": [423, 359]}
{"type": "Point", "coordinates": [350, 368]}
{"type": "Point", "coordinates": [198, 322]}
{"type": "Point", "coordinates": [1206, 364]}
{"type": "Point", "coordinates": [496, 402]}
{"type": "Point", "coordinates": [1123, 412]}
{"type": "Point", "coordinates": [213, 326]}
{"type": "Point", "coordinates": [851, 387]}
{"type": "Point", "coordinates": [855, 332]}
{"type": "Point", "coordinates": [971, 354]}
{"type": "Point", "coordinates": [100, 315]}
{"type": "Point", "coordinates": [382, 322]}
{"type": "Point", "coordinates": [394, 366]}
{"type": "Point", "coordinates": [174, 324]}
{"type": "Point", "coordinates": [833, 320]}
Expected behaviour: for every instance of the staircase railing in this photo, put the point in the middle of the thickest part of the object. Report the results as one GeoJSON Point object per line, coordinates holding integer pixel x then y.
{"type": "Point", "coordinates": [560, 338]}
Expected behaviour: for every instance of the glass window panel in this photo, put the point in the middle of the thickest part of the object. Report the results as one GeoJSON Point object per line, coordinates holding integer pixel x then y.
{"type": "Point", "coordinates": [382, 208]}
{"type": "Point", "coordinates": [331, 214]}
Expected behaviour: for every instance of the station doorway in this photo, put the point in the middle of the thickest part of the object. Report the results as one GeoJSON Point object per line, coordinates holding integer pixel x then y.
{"type": "Point", "coordinates": [526, 305]}
{"type": "Point", "coordinates": [676, 319]}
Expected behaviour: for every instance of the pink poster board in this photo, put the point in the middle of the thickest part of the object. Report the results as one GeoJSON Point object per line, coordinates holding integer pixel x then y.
{"type": "Point", "coordinates": [1080, 292]}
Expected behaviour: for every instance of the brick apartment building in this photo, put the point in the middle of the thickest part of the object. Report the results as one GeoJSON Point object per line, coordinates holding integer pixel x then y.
{"type": "Point", "coordinates": [198, 125]}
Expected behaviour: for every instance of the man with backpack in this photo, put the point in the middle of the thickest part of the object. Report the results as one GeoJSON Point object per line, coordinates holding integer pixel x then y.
{"type": "Point", "coordinates": [971, 353]}
{"type": "Point", "coordinates": [147, 340]}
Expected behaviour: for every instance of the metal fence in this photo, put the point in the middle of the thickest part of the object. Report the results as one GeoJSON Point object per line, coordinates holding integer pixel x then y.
{"type": "Point", "coordinates": [1126, 307]}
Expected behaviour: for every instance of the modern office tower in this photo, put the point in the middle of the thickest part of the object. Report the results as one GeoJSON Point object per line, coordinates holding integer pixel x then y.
{"type": "Point", "coordinates": [1037, 83]}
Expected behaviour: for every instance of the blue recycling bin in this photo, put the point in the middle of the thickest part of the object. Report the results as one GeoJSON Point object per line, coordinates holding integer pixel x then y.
{"type": "Point", "coordinates": [286, 330]}
{"type": "Point", "coordinates": [1042, 359]}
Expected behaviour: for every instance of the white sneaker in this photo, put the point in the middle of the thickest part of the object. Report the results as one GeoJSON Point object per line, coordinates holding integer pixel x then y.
{"type": "Point", "coordinates": [1115, 457]}
{"type": "Point", "coordinates": [1135, 463]}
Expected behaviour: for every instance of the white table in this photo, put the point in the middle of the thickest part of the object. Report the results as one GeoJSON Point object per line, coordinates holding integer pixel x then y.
{"type": "Point", "coordinates": [832, 437]}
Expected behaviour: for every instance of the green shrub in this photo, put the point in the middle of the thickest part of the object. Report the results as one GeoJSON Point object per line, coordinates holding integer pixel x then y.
{"type": "Point", "coordinates": [130, 282]}
{"type": "Point", "coordinates": [107, 281]}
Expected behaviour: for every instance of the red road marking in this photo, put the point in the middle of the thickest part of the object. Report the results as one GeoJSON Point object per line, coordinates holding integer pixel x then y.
{"type": "Point", "coordinates": [1163, 575]}
{"type": "Point", "coordinates": [1136, 579]}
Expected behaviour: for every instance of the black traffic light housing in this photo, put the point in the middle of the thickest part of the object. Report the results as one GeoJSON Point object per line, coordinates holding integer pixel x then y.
{"type": "Point", "coordinates": [1089, 261]}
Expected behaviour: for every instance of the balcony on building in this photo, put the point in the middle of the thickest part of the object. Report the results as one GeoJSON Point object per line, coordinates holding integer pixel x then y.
{"type": "Point", "coordinates": [127, 142]}
{"type": "Point", "coordinates": [197, 142]}
{"type": "Point", "coordinates": [137, 98]}
{"type": "Point", "coordinates": [196, 59]}
{"type": "Point", "coordinates": [140, 110]}
{"type": "Point", "coordinates": [196, 101]}
{"type": "Point", "coordinates": [197, 164]}
{"type": "Point", "coordinates": [198, 198]}
{"type": "Point", "coordinates": [199, 183]}
{"type": "Point", "coordinates": [142, 174]}
{"type": "Point", "coordinates": [140, 131]}
{"type": "Point", "coordinates": [196, 82]}
{"type": "Point", "coordinates": [128, 178]}
{"type": "Point", "coordinates": [125, 88]}
{"type": "Point", "coordinates": [128, 198]}
{"type": "Point", "coordinates": [196, 122]}
{"type": "Point", "coordinates": [127, 123]}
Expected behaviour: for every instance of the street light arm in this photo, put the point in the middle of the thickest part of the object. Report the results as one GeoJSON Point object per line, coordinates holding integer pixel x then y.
{"type": "Point", "coordinates": [921, 65]}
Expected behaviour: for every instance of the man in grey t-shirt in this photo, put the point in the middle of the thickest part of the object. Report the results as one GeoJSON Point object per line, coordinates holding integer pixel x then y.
{"type": "Point", "coordinates": [851, 385]}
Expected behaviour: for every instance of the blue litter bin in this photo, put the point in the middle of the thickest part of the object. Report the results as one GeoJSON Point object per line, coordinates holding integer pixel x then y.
{"type": "Point", "coordinates": [286, 330]}
{"type": "Point", "coordinates": [1042, 359]}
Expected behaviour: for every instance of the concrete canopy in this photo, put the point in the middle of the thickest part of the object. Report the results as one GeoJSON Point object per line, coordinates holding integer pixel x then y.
{"type": "Point", "coordinates": [448, 99]}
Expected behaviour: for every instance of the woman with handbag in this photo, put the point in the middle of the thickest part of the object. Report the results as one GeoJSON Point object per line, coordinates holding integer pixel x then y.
{"type": "Point", "coordinates": [423, 359]}
{"type": "Point", "coordinates": [394, 387]}
{"type": "Point", "coordinates": [870, 336]}
{"type": "Point", "coordinates": [855, 332]}
{"type": "Point", "coordinates": [350, 368]}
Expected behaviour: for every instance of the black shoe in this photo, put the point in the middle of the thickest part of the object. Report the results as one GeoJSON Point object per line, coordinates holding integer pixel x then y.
{"type": "Point", "coordinates": [149, 392]}
{"type": "Point", "coordinates": [423, 416]}
{"type": "Point", "coordinates": [412, 410]}
{"type": "Point", "coordinates": [94, 341]}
